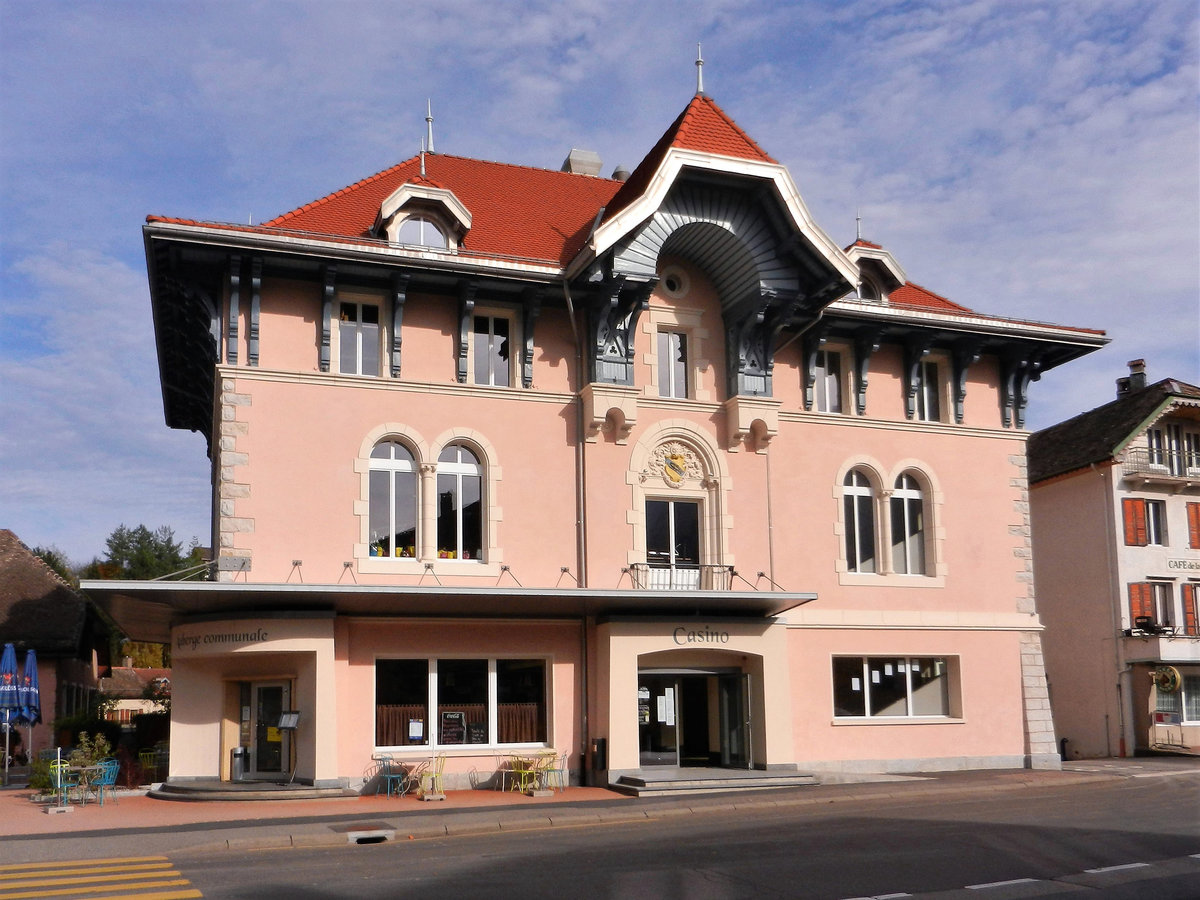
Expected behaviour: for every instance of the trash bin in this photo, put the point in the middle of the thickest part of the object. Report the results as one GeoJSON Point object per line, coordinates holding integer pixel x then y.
{"type": "Point", "coordinates": [239, 757]}
{"type": "Point", "coordinates": [599, 754]}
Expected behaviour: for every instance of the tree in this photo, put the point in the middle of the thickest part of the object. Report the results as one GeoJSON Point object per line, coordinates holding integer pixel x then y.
{"type": "Point", "coordinates": [141, 554]}
{"type": "Point", "coordinates": [53, 557]}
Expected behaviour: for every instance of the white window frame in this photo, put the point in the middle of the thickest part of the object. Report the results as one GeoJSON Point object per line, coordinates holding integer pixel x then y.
{"type": "Point", "coordinates": [668, 342]}
{"type": "Point", "coordinates": [424, 223]}
{"type": "Point", "coordinates": [432, 724]}
{"type": "Point", "coordinates": [460, 470]}
{"type": "Point", "coordinates": [825, 375]}
{"type": "Point", "coordinates": [488, 378]}
{"type": "Point", "coordinates": [393, 467]}
{"type": "Point", "coordinates": [1156, 523]}
{"type": "Point", "coordinates": [1166, 603]}
{"type": "Point", "coordinates": [359, 303]}
{"type": "Point", "coordinates": [929, 391]}
{"type": "Point", "coordinates": [909, 549]}
{"type": "Point", "coordinates": [876, 666]}
{"type": "Point", "coordinates": [854, 524]}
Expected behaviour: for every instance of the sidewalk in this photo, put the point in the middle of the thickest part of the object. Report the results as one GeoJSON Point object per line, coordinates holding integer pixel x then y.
{"type": "Point", "coordinates": [293, 823]}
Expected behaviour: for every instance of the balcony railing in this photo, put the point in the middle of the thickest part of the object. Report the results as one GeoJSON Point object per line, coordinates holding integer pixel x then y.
{"type": "Point", "coordinates": [1171, 464]}
{"type": "Point", "coordinates": [679, 577]}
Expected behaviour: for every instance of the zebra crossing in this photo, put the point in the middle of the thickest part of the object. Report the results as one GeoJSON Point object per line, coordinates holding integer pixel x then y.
{"type": "Point", "coordinates": [124, 878]}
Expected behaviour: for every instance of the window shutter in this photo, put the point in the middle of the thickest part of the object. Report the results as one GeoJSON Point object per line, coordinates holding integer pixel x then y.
{"type": "Point", "coordinates": [1141, 601]}
{"type": "Point", "coordinates": [1193, 517]}
{"type": "Point", "coordinates": [1190, 625]}
{"type": "Point", "coordinates": [1135, 522]}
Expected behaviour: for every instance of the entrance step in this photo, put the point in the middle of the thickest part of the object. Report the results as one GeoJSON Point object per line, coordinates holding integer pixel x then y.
{"type": "Point", "coordinates": [678, 781]}
{"type": "Point", "coordinates": [244, 790]}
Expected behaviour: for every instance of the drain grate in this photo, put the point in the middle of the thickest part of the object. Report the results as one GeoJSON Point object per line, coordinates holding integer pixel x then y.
{"type": "Point", "coordinates": [366, 832]}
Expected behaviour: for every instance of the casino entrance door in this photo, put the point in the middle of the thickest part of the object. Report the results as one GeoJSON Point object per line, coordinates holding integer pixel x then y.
{"type": "Point", "coordinates": [694, 717]}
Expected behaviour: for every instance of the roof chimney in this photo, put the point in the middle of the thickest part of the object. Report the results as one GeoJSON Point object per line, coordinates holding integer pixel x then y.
{"type": "Point", "coordinates": [1135, 380]}
{"type": "Point", "coordinates": [582, 162]}
{"type": "Point", "coordinates": [620, 173]}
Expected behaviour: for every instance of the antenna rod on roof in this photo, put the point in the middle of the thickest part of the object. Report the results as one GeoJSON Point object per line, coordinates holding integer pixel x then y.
{"type": "Point", "coordinates": [858, 224]}
{"type": "Point", "coordinates": [429, 124]}
{"type": "Point", "coordinates": [422, 158]}
{"type": "Point", "coordinates": [699, 71]}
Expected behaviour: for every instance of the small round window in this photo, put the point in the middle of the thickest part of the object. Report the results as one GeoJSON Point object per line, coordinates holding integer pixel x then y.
{"type": "Point", "coordinates": [674, 282]}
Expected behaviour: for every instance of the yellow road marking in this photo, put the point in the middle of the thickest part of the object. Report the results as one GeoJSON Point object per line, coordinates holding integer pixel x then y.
{"type": "Point", "coordinates": [76, 869]}
{"type": "Point", "coordinates": [48, 879]}
{"type": "Point", "coordinates": [82, 862]}
{"type": "Point", "coordinates": [98, 889]}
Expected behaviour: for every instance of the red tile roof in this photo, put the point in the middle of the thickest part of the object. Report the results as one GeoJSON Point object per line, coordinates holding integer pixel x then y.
{"type": "Point", "coordinates": [515, 211]}
{"type": "Point", "coordinates": [917, 297]}
{"type": "Point", "coordinates": [702, 126]}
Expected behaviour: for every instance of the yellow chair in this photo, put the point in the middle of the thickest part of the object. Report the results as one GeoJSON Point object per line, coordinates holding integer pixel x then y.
{"type": "Point", "coordinates": [148, 760]}
{"type": "Point", "coordinates": [429, 779]}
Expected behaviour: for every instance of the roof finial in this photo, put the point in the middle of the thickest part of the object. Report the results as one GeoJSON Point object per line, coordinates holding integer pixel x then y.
{"type": "Point", "coordinates": [422, 158]}
{"type": "Point", "coordinates": [858, 224]}
{"type": "Point", "coordinates": [429, 124]}
{"type": "Point", "coordinates": [699, 71]}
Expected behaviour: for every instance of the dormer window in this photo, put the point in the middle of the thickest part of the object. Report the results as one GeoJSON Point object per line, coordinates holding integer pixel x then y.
{"type": "Point", "coordinates": [868, 292]}
{"type": "Point", "coordinates": [421, 231]}
{"type": "Point", "coordinates": [421, 213]}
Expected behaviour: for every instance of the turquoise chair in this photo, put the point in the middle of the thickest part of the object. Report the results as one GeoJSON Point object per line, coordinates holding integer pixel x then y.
{"type": "Point", "coordinates": [105, 781]}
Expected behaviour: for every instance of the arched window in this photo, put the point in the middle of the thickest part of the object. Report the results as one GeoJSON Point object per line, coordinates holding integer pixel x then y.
{"type": "Point", "coordinates": [421, 232]}
{"type": "Point", "coordinates": [858, 497]}
{"type": "Point", "coordinates": [908, 527]}
{"type": "Point", "coordinates": [393, 510]}
{"type": "Point", "coordinates": [460, 506]}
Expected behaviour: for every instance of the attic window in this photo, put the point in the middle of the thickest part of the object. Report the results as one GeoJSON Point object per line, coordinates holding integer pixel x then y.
{"type": "Point", "coordinates": [420, 231]}
{"type": "Point", "coordinates": [868, 292]}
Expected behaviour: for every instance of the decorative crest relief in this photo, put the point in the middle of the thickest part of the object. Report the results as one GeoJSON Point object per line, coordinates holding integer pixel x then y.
{"type": "Point", "coordinates": [676, 464]}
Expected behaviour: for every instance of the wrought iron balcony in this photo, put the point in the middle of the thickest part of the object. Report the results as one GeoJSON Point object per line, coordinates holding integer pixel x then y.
{"type": "Point", "coordinates": [681, 577]}
{"type": "Point", "coordinates": [1172, 465]}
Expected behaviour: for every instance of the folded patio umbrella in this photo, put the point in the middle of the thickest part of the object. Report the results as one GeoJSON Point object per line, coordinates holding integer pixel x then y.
{"type": "Point", "coordinates": [31, 698]}
{"type": "Point", "coordinates": [10, 696]}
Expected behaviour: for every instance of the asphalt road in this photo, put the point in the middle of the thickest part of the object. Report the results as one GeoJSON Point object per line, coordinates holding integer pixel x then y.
{"type": "Point", "coordinates": [1137, 838]}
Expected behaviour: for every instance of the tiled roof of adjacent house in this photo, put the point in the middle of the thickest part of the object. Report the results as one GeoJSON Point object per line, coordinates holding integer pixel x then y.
{"type": "Point", "coordinates": [38, 609]}
{"type": "Point", "coordinates": [123, 681]}
{"type": "Point", "coordinates": [1096, 435]}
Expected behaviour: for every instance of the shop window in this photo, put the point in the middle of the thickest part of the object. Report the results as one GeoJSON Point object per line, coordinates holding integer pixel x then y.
{"type": "Point", "coordinates": [1184, 702]}
{"type": "Point", "coordinates": [672, 364]}
{"type": "Point", "coordinates": [827, 381]}
{"type": "Point", "coordinates": [928, 387]}
{"type": "Point", "coordinates": [891, 687]}
{"type": "Point", "coordinates": [858, 497]}
{"type": "Point", "coordinates": [491, 351]}
{"type": "Point", "coordinates": [393, 508]}
{"type": "Point", "coordinates": [358, 339]}
{"type": "Point", "coordinates": [460, 504]}
{"type": "Point", "coordinates": [402, 702]}
{"type": "Point", "coordinates": [477, 702]}
{"type": "Point", "coordinates": [908, 527]}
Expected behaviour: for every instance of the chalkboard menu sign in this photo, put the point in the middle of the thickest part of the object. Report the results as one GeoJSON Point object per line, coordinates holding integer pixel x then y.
{"type": "Point", "coordinates": [454, 728]}
{"type": "Point", "coordinates": [477, 733]}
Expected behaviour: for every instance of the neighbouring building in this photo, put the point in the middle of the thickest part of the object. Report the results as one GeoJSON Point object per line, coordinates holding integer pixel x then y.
{"type": "Point", "coordinates": [1115, 501]}
{"type": "Point", "coordinates": [39, 611]}
{"type": "Point", "coordinates": [646, 469]}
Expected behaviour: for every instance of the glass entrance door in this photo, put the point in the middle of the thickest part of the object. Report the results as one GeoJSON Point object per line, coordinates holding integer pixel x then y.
{"type": "Point", "coordinates": [658, 729]}
{"type": "Point", "coordinates": [733, 692]}
{"type": "Point", "coordinates": [272, 752]}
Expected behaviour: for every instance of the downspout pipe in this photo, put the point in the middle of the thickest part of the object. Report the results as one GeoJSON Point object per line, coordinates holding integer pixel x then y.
{"type": "Point", "coordinates": [580, 530]}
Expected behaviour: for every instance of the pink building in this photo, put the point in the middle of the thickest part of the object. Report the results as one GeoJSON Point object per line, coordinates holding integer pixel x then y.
{"type": "Point", "coordinates": [647, 470]}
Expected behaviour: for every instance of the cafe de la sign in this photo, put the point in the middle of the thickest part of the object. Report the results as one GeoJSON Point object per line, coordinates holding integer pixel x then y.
{"type": "Point", "coordinates": [645, 469]}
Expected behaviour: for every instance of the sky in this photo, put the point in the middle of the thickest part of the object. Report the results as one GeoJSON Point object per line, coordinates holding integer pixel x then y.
{"type": "Point", "coordinates": [1027, 159]}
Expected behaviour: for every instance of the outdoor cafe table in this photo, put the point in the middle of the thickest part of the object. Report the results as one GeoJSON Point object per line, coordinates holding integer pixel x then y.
{"type": "Point", "coordinates": [528, 769]}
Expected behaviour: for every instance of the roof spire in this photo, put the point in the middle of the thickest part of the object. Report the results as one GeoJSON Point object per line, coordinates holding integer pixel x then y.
{"type": "Point", "coordinates": [429, 124]}
{"type": "Point", "coordinates": [699, 71]}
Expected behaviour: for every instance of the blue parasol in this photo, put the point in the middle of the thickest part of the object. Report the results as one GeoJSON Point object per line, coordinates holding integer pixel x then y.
{"type": "Point", "coordinates": [10, 696]}
{"type": "Point", "coordinates": [31, 698]}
